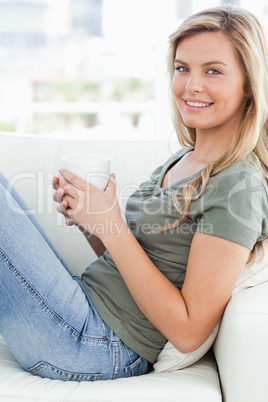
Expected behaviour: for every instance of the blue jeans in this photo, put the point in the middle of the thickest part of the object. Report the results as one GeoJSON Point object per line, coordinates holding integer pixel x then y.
{"type": "Point", "coordinates": [46, 317]}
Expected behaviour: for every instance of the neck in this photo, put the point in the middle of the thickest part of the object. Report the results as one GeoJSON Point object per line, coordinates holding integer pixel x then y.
{"type": "Point", "coordinates": [209, 148]}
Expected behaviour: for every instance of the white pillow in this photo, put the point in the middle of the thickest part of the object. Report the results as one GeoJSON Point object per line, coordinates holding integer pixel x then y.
{"type": "Point", "coordinates": [170, 359]}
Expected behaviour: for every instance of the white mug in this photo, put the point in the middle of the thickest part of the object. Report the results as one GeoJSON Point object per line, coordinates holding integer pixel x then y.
{"type": "Point", "coordinates": [95, 168]}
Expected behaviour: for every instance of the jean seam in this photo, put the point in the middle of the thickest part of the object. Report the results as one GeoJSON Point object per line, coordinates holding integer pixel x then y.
{"type": "Point", "coordinates": [116, 361]}
{"type": "Point", "coordinates": [39, 366]}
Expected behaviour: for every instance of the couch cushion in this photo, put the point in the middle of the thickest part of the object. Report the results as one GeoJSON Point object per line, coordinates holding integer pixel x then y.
{"type": "Point", "coordinates": [196, 383]}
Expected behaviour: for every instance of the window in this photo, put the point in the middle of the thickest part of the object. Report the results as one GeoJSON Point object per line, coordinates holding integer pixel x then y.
{"type": "Point", "coordinates": [93, 67]}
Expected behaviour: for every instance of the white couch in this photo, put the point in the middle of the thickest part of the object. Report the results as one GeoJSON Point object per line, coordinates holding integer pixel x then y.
{"type": "Point", "coordinates": [239, 370]}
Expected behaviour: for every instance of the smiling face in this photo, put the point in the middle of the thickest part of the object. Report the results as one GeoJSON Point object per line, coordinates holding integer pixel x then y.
{"type": "Point", "coordinates": [208, 84]}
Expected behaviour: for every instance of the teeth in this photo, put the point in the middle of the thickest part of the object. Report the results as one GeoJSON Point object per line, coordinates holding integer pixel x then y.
{"type": "Point", "coordinates": [197, 104]}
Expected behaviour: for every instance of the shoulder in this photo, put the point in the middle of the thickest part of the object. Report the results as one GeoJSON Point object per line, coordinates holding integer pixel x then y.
{"type": "Point", "coordinates": [235, 204]}
{"type": "Point", "coordinates": [243, 176]}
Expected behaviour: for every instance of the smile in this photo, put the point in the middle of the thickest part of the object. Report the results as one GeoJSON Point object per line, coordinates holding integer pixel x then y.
{"type": "Point", "coordinates": [198, 104]}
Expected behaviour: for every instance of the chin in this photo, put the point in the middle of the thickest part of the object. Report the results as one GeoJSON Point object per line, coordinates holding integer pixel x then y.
{"type": "Point", "coordinates": [189, 123]}
{"type": "Point", "coordinates": [193, 123]}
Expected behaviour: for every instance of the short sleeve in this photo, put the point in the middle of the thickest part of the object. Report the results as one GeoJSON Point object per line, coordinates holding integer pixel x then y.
{"type": "Point", "coordinates": [234, 207]}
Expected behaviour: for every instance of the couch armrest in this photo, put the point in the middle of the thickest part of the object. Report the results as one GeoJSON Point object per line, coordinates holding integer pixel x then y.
{"type": "Point", "coordinates": [241, 347]}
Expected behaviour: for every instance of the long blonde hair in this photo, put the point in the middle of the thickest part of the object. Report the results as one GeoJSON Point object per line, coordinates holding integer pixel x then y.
{"type": "Point", "coordinates": [246, 35]}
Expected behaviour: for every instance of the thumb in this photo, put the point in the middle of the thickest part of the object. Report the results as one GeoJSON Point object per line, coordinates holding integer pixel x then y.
{"type": "Point", "coordinates": [111, 185]}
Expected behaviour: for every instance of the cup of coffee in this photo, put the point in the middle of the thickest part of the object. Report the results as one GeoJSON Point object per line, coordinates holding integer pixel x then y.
{"type": "Point", "coordinates": [94, 168]}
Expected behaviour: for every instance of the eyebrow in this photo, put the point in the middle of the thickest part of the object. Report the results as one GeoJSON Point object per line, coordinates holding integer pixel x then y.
{"type": "Point", "coordinates": [204, 65]}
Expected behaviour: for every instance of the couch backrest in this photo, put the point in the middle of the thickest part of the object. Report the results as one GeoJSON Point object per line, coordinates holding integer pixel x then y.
{"type": "Point", "coordinates": [30, 161]}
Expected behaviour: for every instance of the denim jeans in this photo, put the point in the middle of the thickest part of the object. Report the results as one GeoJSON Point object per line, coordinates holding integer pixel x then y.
{"type": "Point", "coordinates": [46, 317]}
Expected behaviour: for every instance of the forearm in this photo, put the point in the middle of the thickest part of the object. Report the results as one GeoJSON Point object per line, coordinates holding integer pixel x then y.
{"type": "Point", "coordinates": [160, 301]}
{"type": "Point", "coordinates": [94, 242]}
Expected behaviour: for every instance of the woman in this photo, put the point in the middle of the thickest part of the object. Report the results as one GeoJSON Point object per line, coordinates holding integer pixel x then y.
{"type": "Point", "coordinates": [169, 272]}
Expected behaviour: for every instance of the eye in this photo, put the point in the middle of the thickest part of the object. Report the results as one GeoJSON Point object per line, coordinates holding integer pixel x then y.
{"type": "Point", "coordinates": [181, 69]}
{"type": "Point", "coordinates": [213, 71]}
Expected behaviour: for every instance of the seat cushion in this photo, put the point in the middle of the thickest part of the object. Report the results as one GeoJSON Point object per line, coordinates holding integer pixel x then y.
{"type": "Point", "coordinates": [198, 382]}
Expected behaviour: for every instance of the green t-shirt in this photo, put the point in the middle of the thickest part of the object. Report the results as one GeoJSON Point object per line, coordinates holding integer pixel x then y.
{"type": "Point", "coordinates": [234, 207]}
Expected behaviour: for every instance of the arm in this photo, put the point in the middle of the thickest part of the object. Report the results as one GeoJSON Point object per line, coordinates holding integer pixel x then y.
{"type": "Point", "coordinates": [185, 317]}
{"type": "Point", "coordinates": [188, 317]}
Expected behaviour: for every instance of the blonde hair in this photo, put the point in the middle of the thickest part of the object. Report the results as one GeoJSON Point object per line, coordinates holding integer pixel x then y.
{"type": "Point", "coordinates": [246, 35]}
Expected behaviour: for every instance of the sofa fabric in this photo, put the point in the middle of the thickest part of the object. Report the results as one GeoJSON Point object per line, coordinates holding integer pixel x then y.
{"type": "Point", "coordinates": [199, 383]}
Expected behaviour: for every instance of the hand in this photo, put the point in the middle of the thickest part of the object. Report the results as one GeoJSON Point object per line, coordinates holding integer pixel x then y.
{"type": "Point", "coordinates": [63, 204]}
{"type": "Point", "coordinates": [94, 210]}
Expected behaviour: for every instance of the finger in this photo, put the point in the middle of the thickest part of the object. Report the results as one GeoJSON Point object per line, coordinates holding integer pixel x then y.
{"type": "Point", "coordinates": [73, 179]}
{"type": "Point", "coordinates": [69, 221]}
{"type": "Point", "coordinates": [62, 181]}
{"type": "Point", "coordinates": [55, 182]}
{"type": "Point", "coordinates": [58, 195]}
{"type": "Point", "coordinates": [73, 203]}
{"type": "Point", "coordinates": [63, 207]}
{"type": "Point", "coordinates": [73, 191]}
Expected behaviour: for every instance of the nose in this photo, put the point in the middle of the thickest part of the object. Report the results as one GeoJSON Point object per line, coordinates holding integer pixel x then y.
{"type": "Point", "coordinates": [194, 83]}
